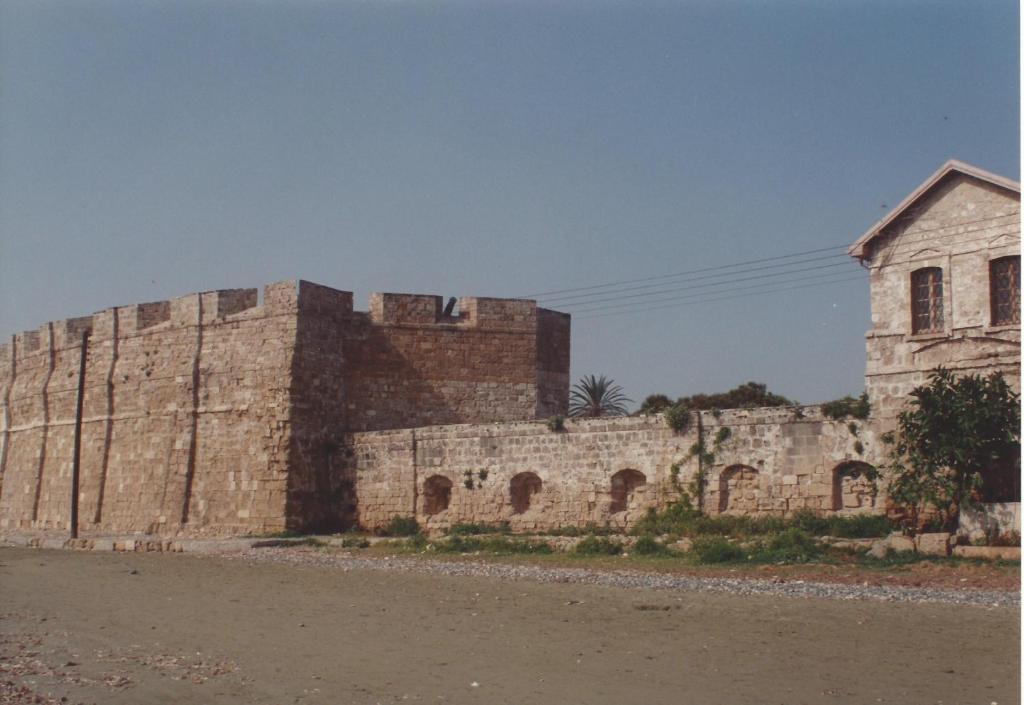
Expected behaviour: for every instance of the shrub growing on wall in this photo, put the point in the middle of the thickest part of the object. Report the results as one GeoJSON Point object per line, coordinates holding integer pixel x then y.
{"type": "Point", "coordinates": [746, 396]}
{"type": "Point", "coordinates": [858, 408]}
{"type": "Point", "coordinates": [678, 417]}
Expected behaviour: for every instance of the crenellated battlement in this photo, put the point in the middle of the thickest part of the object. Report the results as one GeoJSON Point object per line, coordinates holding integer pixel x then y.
{"type": "Point", "coordinates": [135, 319]}
{"type": "Point", "coordinates": [471, 311]}
{"type": "Point", "coordinates": [28, 341]}
{"type": "Point", "coordinates": [324, 301]}
{"type": "Point", "coordinates": [388, 309]}
{"type": "Point", "coordinates": [151, 314]}
{"type": "Point", "coordinates": [225, 305]}
{"type": "Point", "coordinates": [208, 413]}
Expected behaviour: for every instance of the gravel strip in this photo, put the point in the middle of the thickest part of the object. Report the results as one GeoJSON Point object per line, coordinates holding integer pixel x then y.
{"type": "Point", "coordinates": [633, 578]}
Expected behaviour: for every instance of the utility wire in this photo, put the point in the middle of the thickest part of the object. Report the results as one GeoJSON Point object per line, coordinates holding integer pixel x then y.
{"type": "Point", "coordinates": [756, 287]}
{"type": "Point", "coordinates": [688, 300]}
{"type": "Point", "coordinates": [603, 299]}
{"type": "Point", "coordinates": [677, 274]}
{"type": "Point", "coordinates": [552, 295]}
{"type": "Point", "coordinates": [721, 298]}
{"type": "Point", "coordinates": [719, 280]}
{"type": "Point", "coordinates": [560, 300]}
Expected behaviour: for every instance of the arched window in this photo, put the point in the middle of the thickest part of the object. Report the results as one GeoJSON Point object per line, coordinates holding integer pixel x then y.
{"type": "Point", "coordinates": [926, 300]}
{"type": "Point", "coordinates": [738, 489]}
{"type": "Point", "coordinates": [437, 494]}
{"type": "Point", "coordinates": [852, 487]}
{"type": "Point", "coordinates": [1004, 290]}
{"type": "Point", "coordinates": [521, 489]}
{"type": "Point", "coordinates": [624, 484]}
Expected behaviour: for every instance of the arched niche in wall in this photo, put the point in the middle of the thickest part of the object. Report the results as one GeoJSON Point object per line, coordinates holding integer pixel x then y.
{"type": "Point", "coordinates": [437, 494]}
{"type": "Point", "coordinates": [738, 489]}
{"type": "Point", "coordinates": [521, 490]}
{"type": "Point", "coordinates": [624, 484]}
{"type": "Point", "coordinates": [852, 487]}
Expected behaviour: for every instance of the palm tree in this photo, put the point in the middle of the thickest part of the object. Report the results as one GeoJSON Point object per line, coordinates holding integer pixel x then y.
{"type": "Point", "coordinates": [597, 396]}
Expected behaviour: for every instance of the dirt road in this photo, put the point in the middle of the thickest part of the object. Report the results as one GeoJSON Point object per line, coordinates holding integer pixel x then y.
{"type": "Point", "coordinates": [137, 628]}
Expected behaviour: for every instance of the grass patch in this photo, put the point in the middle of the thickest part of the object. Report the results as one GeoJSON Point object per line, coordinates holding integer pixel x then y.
{"type": "Point", "coordinates": [354, 542]}
{"type": "Point", "coordinates": [286, 534]}
{"type": "Point", "coordinates": [495, 544]}
{"type": "Point", "coordinates": [597, 546]}
{"type": "Point", "coordinates": [400, 526]}
{"type": "Point", "coordinates": [680, 519]}
{"type": "Point", "coordinates": [790, 546]}
{"type": "Point", "coordinates": [859, 526]}
{"type": "Point", "coordinates": [467, 529]}
{"type": "Point", "coordinates": [417, 542]}
{"type": "Point", "coordinates": [717, 549]}
{"type": "Point", "coordinates": [590, 529]}
{"type": "Point", "coordinates": [649, 546]}
{"type": "Point", "coordinates": [896, 559]}
{"type": "Point", "coordinates": [289, 542]}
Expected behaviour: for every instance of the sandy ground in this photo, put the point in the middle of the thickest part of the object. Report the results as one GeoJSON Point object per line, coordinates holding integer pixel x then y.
{"type": "Point", "coordinates": [138, 628]}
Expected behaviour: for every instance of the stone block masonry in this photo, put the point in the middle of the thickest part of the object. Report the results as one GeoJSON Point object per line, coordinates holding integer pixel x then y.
{"type": "Point", "coordinates": [185, 416]}
{"type": "Point", "coordinates": [609, 471]}
{"type": "Point", "coordinates": [957, 228]}
{"type": "Point", "coordinates": [213, 414]}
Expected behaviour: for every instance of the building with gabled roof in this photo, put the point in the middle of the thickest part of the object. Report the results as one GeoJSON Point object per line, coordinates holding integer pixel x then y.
{"type": "Point", "coordinates": [945, 283]}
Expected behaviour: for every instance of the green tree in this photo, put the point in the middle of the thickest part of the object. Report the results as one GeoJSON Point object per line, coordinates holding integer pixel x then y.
{"type": "Point", "coordinates": [745, 396]}
{"type": "Point", "coordinates": [597, 396]}
{"type": "Point", "coordinates": [654, 404]}
{"type": "Point", "coordinates": [958, 441]}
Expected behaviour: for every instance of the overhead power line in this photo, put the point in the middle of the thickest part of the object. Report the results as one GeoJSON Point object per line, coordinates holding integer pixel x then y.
{"type": "Point", "coordinates": [607, 288]}
{"type": "Point", "coordinates": [589, 302]}
{"type": "Point", "coordinates": [593, 315]}
{"type": "Point", "coordinates": [542, 294]}
{"type": "Point", "coordinates": [720, 281]}
{"type": "Point", "coordinates": [560, 300]}
{"type": "Point", "coordinates": [650, 293]}
{"type": "Point", "coordinates": [750, 287]}
{"type": "Point", "coordinates": [717, 280]}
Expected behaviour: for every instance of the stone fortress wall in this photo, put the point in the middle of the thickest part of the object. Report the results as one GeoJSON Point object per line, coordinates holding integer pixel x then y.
{"type": "Point", "coordinates": [609, 471]}
{"type": "Point", "coordinates": [184, 423]}
{"type": "Point", "coordinates": [216, 414]}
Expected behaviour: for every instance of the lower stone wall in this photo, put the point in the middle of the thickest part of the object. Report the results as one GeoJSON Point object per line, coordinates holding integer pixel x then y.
{"type": "Point", "coordinates": [611, 471]}
{"type": "Point", "coordinates": [987, 520]}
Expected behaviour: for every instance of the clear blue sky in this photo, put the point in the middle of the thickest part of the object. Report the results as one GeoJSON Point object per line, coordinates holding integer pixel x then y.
{"type": "Point", "coordinates": [152, 149]}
